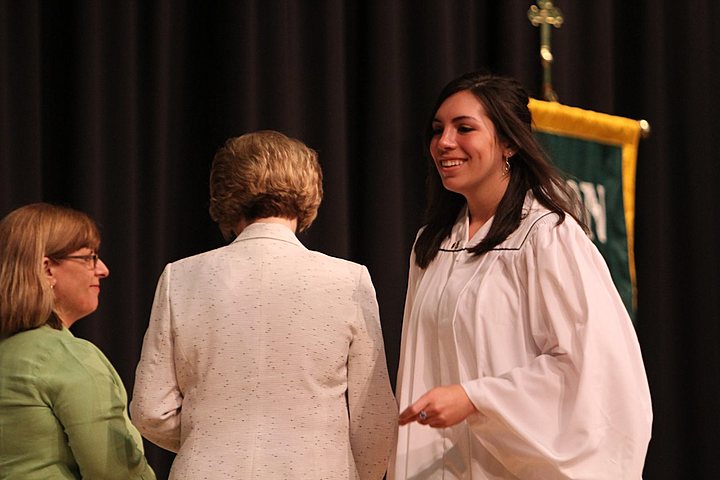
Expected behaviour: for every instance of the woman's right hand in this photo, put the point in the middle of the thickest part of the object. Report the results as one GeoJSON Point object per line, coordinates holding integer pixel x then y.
{"type": "Point", "coordinates": [440, 407]}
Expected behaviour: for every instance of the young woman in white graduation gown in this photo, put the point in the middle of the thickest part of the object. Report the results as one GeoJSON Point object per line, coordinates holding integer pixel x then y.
{"type": "Point", "coordinates": [518, 358]}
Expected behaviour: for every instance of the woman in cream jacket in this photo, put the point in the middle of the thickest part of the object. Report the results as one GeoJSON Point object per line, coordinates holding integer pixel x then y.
{"type": "Point", "coordinates": [264, 359]}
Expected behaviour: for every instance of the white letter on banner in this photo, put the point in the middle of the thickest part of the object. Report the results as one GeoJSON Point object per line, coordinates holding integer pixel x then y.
{"type": "Point", "coordinates": [593, 198]}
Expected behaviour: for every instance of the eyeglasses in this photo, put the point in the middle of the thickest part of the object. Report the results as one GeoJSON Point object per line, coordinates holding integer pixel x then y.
{"type": "Point", "coordinates": [90, 260]}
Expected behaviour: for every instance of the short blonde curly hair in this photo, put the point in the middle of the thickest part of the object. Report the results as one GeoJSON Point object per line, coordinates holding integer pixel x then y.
{"type": "Point", "coordinates": [264, 174]}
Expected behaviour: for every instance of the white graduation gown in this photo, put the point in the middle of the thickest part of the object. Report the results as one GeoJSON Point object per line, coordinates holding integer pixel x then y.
{"type": "Point", "coordinates": [538, 337]}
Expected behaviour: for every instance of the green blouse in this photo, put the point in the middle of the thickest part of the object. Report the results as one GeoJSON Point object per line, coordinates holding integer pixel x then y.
{"type": "Point", "coordinates": [63, 411]}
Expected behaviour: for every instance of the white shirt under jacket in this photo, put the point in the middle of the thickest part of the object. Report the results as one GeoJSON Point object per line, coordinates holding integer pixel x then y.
{"type": "Point", "coordinates": [538, 337]}
{"type": "Point", "coordinates": [250, 355]}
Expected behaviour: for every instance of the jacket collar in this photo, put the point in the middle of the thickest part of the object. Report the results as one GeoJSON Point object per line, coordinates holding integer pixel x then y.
{"type": "Point", "coordinates": [273, 231]}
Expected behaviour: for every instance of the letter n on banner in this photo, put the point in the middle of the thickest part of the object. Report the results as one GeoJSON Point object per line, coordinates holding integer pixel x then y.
{"type": "Point", "coordinates": [598, 152]}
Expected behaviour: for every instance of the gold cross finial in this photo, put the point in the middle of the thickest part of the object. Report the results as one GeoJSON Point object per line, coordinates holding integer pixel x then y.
{"type": "Point", "coordinates": [544, 15]}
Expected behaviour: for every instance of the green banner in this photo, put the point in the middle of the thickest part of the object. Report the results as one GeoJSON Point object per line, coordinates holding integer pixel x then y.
{"type": "Point", "coordinates": [595, 172]}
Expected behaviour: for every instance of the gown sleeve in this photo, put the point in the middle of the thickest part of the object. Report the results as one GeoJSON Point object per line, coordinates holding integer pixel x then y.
{"type": "Point", "coordinates": [414, 276]}
{"type": "Point", "coordinates": [157, 398]}
{"type": "Point", "coordinates": [581, 407]}
{"type": "Point", "coordinates": [372, 408]}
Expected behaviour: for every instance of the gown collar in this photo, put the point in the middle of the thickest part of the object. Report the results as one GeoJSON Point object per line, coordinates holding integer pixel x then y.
{"type": "Point", "coordinates": [458, 238]}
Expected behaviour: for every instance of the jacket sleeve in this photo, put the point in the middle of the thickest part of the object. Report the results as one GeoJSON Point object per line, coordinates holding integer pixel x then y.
{"type": "Point", "coordinates": [581, 408]}
{"type": "Point", "coordinates": [372, 407]}
{"type": "Point", "coordinates": [157, 398]}
{"type": "Point", "coordinates": [89, 400]}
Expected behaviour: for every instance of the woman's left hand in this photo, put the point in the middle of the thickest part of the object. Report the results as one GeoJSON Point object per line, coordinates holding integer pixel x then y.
{"type": "Point", "coordinates": [439, 408]}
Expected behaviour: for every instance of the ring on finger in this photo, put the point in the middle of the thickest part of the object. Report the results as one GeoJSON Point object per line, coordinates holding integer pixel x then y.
{"type": "Point", "coordinates": [422, 415]}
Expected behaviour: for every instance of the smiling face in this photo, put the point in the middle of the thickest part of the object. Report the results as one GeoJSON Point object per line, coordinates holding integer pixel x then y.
{"type": "Point", "coordinates": [466, 150]}
{"type": "Point", "coordinates": [76, 285]}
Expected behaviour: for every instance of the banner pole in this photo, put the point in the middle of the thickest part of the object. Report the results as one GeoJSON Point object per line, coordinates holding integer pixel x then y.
{"type": "Point", "coordinates": [545, 15]}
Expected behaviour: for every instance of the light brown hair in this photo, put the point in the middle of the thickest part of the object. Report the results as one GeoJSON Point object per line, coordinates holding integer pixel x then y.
{"type": "Point", "coordinates": [264, 174]}
{"type": "Point", "coordinates": [28, 235]}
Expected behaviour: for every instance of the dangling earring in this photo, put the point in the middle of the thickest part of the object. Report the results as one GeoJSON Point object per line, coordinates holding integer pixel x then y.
{"type": "Point", "coordinates": [506, 167]}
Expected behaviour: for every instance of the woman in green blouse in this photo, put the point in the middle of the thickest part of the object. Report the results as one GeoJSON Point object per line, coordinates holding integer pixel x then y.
{"type": "Point", "coordinates": [63, 407]}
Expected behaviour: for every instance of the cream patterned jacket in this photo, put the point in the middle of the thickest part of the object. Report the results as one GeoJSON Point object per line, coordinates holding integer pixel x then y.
{"type": "Point", "coordinates": [265, 360]}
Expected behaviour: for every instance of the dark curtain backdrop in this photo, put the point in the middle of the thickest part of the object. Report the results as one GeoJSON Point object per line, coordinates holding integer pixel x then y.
{"type": "Point", "coordinates": [116, 108]}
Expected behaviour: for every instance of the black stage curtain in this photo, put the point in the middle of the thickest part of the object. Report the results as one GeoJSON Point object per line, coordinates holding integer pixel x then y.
{"type": "Point", "coordinates": [117, 107]}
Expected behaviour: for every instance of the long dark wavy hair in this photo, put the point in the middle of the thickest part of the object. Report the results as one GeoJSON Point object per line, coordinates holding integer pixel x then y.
{"type": "Point", "coordinates": [506, 104]}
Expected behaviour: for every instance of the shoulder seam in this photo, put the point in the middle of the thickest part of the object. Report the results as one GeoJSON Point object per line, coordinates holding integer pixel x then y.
{"type": "Point", "coordinates": [529, 230]}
